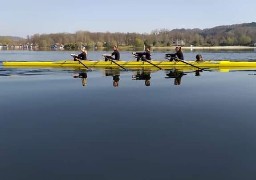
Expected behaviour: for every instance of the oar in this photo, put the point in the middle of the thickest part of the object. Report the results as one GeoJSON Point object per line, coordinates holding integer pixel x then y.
{"type": "Point", "coordinates": [191, 65]}
{"type": "Point", "coordinates": [116, 63]}
{"type": "Point", "coordinates": [77, 59]}
{"type": "Point", "coordinates": [82, 63]}
{"type": "Point", "coordinates": [151, 63]}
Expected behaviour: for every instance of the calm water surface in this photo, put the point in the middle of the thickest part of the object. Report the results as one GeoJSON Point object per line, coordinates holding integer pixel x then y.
{"type": "Point", "coordinates": [52, 127]}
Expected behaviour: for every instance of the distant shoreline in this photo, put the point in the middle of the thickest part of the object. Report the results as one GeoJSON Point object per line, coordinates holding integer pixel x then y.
{"type": "Point", "coordinates": [208, 47]}
{"type": "Point", "coordinates": [130, 48]}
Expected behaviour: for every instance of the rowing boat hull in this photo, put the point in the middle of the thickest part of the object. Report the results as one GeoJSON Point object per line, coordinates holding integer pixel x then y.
{"type": "Point", "coordinates": [133, 64]}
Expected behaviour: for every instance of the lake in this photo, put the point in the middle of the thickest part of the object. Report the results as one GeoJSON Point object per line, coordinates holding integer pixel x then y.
{"type": "Point", "coordinates": [57, 125]}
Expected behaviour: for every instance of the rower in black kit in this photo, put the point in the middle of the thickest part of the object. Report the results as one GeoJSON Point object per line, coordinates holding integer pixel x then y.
{"type": "Point", "coordinates": [115, 53]}
{"type": "Point", "coordinates": [83, 54]}
{"type": "Point", "coordinates": [143, 56]}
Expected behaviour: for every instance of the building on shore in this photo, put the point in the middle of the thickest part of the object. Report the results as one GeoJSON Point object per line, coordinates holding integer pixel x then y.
{"type": "Point", "coordinates": [4, 47]}
{"type": "Point", "coordinates": [19, 47]}
{"type": "Point", "coordinates": [57, 46]}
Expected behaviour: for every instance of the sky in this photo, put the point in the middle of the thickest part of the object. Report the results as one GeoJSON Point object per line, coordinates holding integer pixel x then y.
{"type": "Point", "coordinates": [29, 17]}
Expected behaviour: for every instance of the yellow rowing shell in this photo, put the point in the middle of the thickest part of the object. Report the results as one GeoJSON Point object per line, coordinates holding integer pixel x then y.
{"type": "Point", "coordinates": [224, 64]}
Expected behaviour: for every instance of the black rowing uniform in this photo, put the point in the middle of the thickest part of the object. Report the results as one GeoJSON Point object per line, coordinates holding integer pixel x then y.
{"type": "Point", "coordinates": [116, 54]}
{"type": "Point", "coordinates": [147, 55]}
{"type": "Point", "coordinates": [179, 55]}
{"type": "Point", "coordinates": [82, 56]}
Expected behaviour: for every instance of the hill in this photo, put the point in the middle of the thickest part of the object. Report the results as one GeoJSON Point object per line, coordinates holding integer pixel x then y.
{"type": "Point", "coordinates": [10, 40]}
{"type": "Point", "coordinates": [226, 35]}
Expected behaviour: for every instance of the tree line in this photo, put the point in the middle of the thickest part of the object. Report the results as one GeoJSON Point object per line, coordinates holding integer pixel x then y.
{"type": "Point", "coordinates": [232, 35]}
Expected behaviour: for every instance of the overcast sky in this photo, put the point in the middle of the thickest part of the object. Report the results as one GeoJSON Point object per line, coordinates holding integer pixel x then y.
{"type": "Point", "coordinates": [28, 17]}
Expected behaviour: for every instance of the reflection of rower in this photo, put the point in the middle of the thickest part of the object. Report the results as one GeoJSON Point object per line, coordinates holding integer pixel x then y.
{"type": "Point", "coordinates": [115, 73]}
{"type": "Point", "coordinates": [143, 75]}
{"type": "Point", "coordinates": [83, 76]}
{"type": "Point", "coordinates": [197, 72]}
{"type": "Point", "coordinates": [116, 79]}
{"type": "Point", "coordinates": [176, 75]}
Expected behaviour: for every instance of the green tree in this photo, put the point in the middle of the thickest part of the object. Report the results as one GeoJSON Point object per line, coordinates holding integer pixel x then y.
{"type": "Point", "coordinates": [230, 41]}
{"type": "Point", "coordinates": [43, 43]}
{"type": "Point", "coordinates": [138, 42]}
{"type": "Point", "coordinates": [245, 40]}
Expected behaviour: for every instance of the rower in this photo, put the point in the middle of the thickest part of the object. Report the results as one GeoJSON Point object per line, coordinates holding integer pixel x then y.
{"type": "Point", "coordinates": [83, 54]}
{"type": "Point", "coordinates": [199, 58]}
{"type": "Point", "coordinates": [179, 53]}
{"type": "Point", "coordinates": [115, 53]}
{"type": "Point", "coordinates": [143, 55]}
{"type": "Point", "coordinates": [176, 56]}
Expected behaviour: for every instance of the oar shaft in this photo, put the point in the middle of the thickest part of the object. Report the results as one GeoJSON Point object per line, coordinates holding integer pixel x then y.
{"type": "Point", "coordinates": [190, 64]}
{"type": "Point", "coordinates": [82, 63]}
{"type": "Point", "coordinates": [117, 64]}
{"type": "Point", "coordinates": [152, 64]}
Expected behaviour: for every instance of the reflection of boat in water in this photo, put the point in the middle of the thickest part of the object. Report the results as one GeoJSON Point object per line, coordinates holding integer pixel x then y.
{"type": "Point", "coordinates": [116, 79]}
{"type": "Point", "coordinates": [217, 65]}
{"type": "Point", "coordinates": [83, 76]}
{"type": "Point", "coordinates": [176, 74]}
{"type": "Point", "coordinates": [143, 75]}
{"type": "Point", "coordinates": [115, 73]}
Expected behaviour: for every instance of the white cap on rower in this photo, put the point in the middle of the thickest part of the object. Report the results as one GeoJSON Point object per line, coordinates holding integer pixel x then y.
{"type": "Point", "coordinates": [83, 49]}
